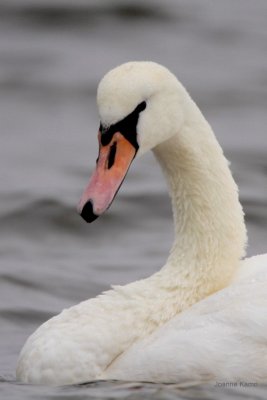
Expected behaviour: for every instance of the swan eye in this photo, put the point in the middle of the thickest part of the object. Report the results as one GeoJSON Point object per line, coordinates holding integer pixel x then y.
{"type": "Point", "coordinates": [141, 107]}
{"type": "Point", "coordinates": [127, 127]}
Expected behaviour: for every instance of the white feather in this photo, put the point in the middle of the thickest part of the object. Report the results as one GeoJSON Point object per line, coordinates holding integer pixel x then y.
{"type": "Point", "coordinates": [203, 315]}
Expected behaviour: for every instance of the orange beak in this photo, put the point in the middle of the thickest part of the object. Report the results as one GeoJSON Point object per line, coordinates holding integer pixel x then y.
{"type": "Point", "coordinates": [113, 163]}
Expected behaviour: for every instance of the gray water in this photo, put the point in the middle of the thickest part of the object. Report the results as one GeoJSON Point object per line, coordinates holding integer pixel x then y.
{"type": "Point", "coordinates": [52, 55]}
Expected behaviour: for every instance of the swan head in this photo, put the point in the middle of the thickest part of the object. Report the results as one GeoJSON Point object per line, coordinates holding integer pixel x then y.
{"type": "Point", "coordinates": [140, 106]}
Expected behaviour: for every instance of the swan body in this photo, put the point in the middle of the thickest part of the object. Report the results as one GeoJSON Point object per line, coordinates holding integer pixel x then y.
{"type": "Point", "coordinates": [203, 315]}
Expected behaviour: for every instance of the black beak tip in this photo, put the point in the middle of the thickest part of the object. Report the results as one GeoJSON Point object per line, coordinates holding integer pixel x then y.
{"type": "Point", "coordinates": [87, 212]}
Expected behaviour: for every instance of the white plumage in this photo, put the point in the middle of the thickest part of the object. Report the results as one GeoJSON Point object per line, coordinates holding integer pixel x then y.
{"type": "Point", "coordinates": [203, 315]}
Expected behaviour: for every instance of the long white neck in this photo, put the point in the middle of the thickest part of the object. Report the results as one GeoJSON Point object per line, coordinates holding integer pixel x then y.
{"type": "Point", "coordinates": [210, 234]}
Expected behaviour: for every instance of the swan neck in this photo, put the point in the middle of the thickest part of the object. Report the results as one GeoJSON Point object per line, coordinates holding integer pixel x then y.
{"type": "Point", "coordinates": [210, 235]}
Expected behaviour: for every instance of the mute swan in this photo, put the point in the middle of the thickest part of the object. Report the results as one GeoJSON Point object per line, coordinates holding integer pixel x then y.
{"type": "Point", "coordinates": [203, 315]}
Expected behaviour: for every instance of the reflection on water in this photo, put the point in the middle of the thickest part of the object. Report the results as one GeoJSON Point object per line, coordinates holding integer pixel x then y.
{"type": "Point", "coordinates": [52, 55]}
